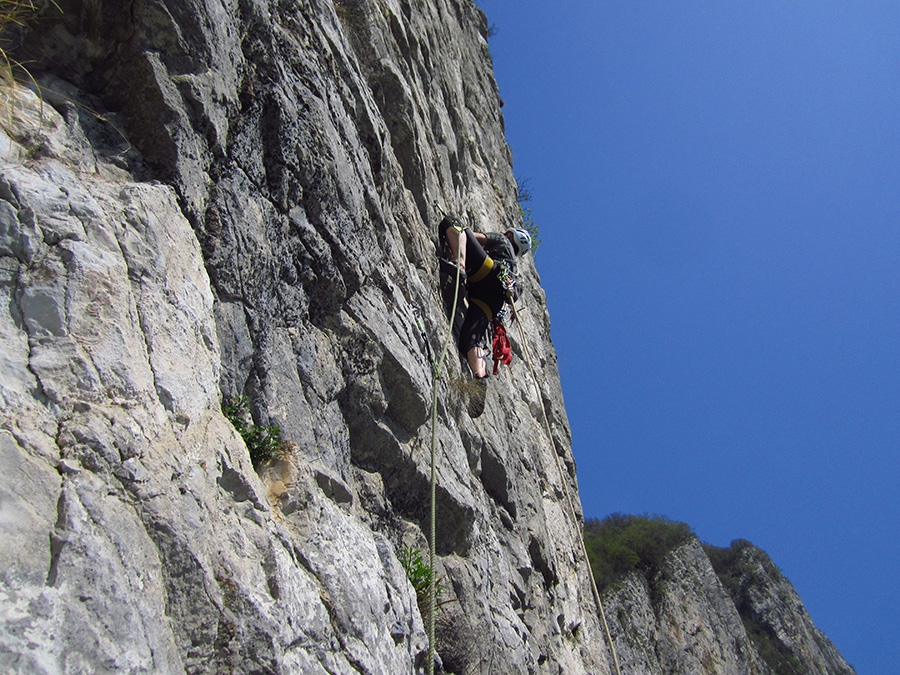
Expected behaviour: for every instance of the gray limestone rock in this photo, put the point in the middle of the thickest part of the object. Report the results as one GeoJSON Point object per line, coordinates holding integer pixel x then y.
{"type": "Point", "coordinates": [230, 198]}
{"type": "Point", "coordinates": [681, 621]}
{"type": "Point", "coordinates": [250, 211]}
{"type": "Point", "coordinates": [771, 608]}
{"type": "Point", "coordinates": [685, 619]}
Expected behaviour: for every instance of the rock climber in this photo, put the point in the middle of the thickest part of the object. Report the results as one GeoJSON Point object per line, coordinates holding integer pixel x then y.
{"type": "Point", "coordinates": [488, 268]}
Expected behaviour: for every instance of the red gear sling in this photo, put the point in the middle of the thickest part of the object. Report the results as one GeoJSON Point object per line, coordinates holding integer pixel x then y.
{"type": "Point", "coordinates": [502, 348]}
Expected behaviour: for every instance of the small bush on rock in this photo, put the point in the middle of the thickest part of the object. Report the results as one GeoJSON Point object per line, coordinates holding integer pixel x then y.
{"type": "Point", "coordinates": [263, 442]}
{"type": "Point", "coordinates": [523, 197]}
{"type": "Point", "coordinates": [420, 574]}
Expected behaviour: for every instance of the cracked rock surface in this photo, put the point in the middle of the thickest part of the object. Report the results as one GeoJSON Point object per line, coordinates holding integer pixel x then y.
{"type": "Point", "coordinates": [684, 620]}
{"type": "Point", "coordinates": [220, 199]}
{"type": "Point", "coordinates": [237, 198]}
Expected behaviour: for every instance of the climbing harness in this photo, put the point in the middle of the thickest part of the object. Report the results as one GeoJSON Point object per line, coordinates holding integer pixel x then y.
{"type": "Point", "coordinates": [562, 475]}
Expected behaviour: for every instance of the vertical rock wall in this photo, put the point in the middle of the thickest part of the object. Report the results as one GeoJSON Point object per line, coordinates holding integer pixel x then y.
{"type": "Point", "coordinates": [236, 197]}
{"type": "Point", "coordinates": [214, 198]}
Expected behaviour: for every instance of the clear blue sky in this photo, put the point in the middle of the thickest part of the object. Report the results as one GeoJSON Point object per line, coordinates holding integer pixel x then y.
{"type": "Point", "coordinates": [718, 190]}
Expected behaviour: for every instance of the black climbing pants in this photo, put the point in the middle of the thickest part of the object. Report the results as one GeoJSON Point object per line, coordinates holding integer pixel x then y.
{"type": "Point", "coordinates": [486, 293]}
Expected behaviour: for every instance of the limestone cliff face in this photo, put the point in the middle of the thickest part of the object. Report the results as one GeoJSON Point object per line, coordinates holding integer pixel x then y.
{"type": "Point", "coordinates": [681, 621]}
{"type": "Point", "coordinates": [231, 197]}
{"type": "Point", "coordinates": [685, 619]}
{"type": "Point", "coordinates": [215, 198]}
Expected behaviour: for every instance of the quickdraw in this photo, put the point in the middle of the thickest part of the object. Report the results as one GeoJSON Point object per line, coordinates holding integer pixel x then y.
{"type": "Point", "coordinates": [505, 276]}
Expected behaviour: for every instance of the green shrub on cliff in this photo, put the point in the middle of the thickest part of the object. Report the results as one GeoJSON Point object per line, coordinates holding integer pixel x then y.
{"type": "Point", "coordinates": [621, 543]}
{"type": "Point", "coordinates": [263, 442]}
{"type": "Point", "coordinates": [523, 197]}
{"type": "Point", "coordinates": [420, 575]}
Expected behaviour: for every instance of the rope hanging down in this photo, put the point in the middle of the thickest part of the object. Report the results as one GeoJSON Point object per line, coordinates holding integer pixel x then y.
{"type": "Point", "coordinates": [562, 476]}
{"type": "Point", "coordinates": [432, 553]}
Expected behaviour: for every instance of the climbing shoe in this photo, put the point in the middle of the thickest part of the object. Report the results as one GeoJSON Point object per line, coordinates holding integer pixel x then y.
{"type": "Point", "coordinates": [450, 268]}
{"type": "Point", "coordinates": [477, 396]}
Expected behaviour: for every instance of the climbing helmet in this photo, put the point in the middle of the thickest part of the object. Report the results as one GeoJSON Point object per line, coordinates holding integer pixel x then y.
{"type": "Point", "coordinates": [521, 239]}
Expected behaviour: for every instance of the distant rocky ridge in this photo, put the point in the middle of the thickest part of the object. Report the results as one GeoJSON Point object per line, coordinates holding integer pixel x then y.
{"type": "Point", "coordinates": [214, 198]}
{"type": "Point", "coordinates": [734, 614]}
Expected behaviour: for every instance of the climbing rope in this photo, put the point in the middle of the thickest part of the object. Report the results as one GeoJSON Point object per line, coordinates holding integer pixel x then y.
{"type": "Point", "coordinates": [432, 553]}
{"type": "Point", "coordinates": [562, 475]}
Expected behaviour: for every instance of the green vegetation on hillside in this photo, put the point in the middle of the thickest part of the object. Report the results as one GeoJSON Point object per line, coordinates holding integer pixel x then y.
{"type": "Point", "coordinates": [620, 544]}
